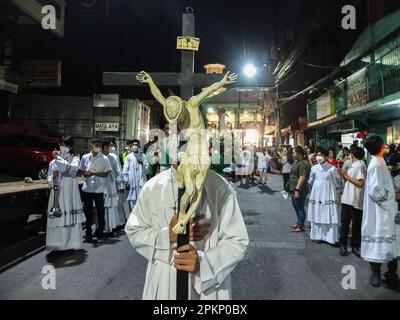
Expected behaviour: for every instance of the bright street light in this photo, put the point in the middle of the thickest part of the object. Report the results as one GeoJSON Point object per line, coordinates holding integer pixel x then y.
{"type": "Point", "coordinates": [250, 70]}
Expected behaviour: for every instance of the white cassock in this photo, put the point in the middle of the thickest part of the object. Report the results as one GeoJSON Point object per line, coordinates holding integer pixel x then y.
{"type": "Point", "coordinates": [135, 175]}
{"type": "Point", "coordinates": [65, 232]}
{"type": "Point", "coordinates": [111, 218]}
{"type": "Point", "coordinates": [123, 207]}
{"type": "Point", "coordinates": [219, 253]}
{"type": "Point", "coordinates": [323, 205]}
{"type": "Point", "coordinates": [380, 209]}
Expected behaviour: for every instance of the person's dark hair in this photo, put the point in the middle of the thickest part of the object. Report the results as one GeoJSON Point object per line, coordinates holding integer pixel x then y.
{"type": "Point", "coordinates": [112, 139]}
{"type": "Point", "coordinates": [340, 147]}
{"type": "Point", "coordinates": [374, 145]}
{"type": "Point", "coordinates": [95, 140]}
{"type": "Point", "coordinates": [358, 153]}
{"type": "Point", "coordinates": [105, 142]}
{"type": "Point", "coordinates": [323, 151]}
{"type": "Point", "coordinates": [392, 148]}
{"type": "Point", "coordinates": [67, 140]}
{"type": "Point", "coordinates": [289, 155]}
{"type": "Point", "coordinates": [136, 140]}
{"type": "Point", "coordinates": [300, 150]}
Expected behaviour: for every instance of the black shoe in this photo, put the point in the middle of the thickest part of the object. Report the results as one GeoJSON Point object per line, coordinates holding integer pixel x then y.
{"type": "Point", "coordinates": [343, 251]}
{"type": "Point", "coordinates": [52, 256]}
{"type": "Point", "coordinates": [357, 252]}
{"type": "Point", "coordinates": [375, 280]}
{"type": "Point", "coordinates": [392, 280]}
{"type": "Point", "coordinates": [88, 238]}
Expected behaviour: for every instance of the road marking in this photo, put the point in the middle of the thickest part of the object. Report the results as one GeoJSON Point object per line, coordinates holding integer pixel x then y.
{"type": "Point", "coordinates": [277, 245]}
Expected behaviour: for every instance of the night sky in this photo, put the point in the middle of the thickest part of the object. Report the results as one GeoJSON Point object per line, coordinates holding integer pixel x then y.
{"type": "Point", "coordinates": [141, 34]}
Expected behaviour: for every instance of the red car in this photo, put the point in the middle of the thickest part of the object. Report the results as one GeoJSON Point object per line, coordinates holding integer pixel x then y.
{"type": "Point", "coordinates": [27, 155]}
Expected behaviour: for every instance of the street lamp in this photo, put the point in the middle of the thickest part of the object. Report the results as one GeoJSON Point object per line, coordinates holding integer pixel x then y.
{"type": "Point", "coordinates": [250, 70]}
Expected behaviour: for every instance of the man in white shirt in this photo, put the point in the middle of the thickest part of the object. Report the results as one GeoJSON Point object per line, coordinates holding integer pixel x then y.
{"type": "Point", "coordinates": [352, 202]}
{"type": "Point", "coordinates": [95, 167]}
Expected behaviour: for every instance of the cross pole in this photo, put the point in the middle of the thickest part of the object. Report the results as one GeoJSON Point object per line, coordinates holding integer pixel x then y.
{"type": "Point", "coordinates": [187, 80]}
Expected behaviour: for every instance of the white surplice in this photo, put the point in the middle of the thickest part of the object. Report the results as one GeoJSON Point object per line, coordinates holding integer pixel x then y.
{"type": "Point", "coordinates": [219, 253]}
{"type": "Point", "coordinates": [123, 212]}
{"type": "Point", "coordinates": [323, 206]}
{"type": "Point", "coordinates": [111, 218]}
{"type": "Point", "coordinates": [380, 209]}
{"type": "Point", "coordinates": [134, 174]}
{"type": "Point", "coordinates": [65, 232]}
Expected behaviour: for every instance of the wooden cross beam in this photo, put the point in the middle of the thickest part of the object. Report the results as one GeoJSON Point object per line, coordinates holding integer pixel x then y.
{"type": "Point", "coordinates": [187, 80]}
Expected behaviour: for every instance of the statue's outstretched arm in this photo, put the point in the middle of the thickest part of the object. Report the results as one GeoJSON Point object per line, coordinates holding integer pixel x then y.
{"type": "Point", "coordinates": [144, 77]}
{"type": "Point", "coordinates": [229, 78]}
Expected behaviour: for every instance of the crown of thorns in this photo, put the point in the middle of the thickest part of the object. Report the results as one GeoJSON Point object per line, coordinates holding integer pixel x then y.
{"type": "Point", "coordinates": [173, 108]}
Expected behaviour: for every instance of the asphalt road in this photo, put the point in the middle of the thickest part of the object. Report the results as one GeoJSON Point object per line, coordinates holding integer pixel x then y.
{"type": "Point", "coordinates": [278, 264]}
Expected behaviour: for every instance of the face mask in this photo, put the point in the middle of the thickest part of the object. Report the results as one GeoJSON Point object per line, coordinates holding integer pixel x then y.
{"type": "Point", "coordinates": [64, 150]}
{"type": "Point", "coordinates": [135, 149]}
{"type": "Point", "coordinates": [97, 150]}
{"type": "Point", "coordinates": [113, 149]}
{"type": "Point", "coordinates": [320, 159]}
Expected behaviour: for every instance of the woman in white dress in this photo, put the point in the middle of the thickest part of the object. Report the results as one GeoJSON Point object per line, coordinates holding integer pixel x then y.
{"type": "Point", "coordinates": [262, 162]}
{"type": "Point", "coordinates": [65, 213]}
{"type": "Point", "coordinates": [243, 167]}
{"type": "Point", "coordinates": [323, 203]}
{"type": "Point", "coordinates": [111, 194]}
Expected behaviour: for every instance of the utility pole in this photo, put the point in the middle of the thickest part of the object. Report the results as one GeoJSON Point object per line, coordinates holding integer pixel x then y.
{"type": "Point", "coordinates": [277, 114]}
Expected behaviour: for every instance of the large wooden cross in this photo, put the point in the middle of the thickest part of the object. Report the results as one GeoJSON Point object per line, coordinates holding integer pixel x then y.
{"type": "Point", "coordinates": [187, 80]}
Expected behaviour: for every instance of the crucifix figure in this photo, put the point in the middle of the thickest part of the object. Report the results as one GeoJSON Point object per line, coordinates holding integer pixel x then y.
{"type": "Point", "coordinates": [196, 161]}
{"type": "Point", "coordinates": [188, 104]}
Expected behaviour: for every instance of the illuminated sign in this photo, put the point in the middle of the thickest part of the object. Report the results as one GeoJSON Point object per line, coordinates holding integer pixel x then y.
{"type": "Point", "coordinates": [107, 126]}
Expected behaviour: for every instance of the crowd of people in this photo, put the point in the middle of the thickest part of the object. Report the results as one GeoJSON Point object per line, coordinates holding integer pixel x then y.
{"type": "Point", "coordinates": [110, 186]}
{"type": "Point", "coordinates": [340, 190]}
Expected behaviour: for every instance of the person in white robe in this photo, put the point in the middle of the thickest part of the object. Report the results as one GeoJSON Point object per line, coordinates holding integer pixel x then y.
{"type": "Point", "coordinates": [123, 206]}
{"type": "Point", "coordinates": [378, 231]}
{"type": "Point", "coordinates": [217, 254]}
{"type": "Point", "coordinates": [244, 166]}
{"type": "Point", "coordinates": [323, 203]}
{"type": "Point", "coordinates": [263, 158]}
{"type": "Point", "coordinates": [134, 173]}
{"type": "Point", "coordinates": [111, 218]}
{"type": "Point", "coordinates": [64, 232]}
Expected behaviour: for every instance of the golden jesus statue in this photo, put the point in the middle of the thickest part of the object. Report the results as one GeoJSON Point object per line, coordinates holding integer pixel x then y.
{"type": "Point", "coordinates": [196, 161]}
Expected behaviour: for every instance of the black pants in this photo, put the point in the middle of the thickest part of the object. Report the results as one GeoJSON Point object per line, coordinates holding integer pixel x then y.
{"type": "Point", "coordinates": [376, 267]}
{"type": "Point", "coordinates": [98, 199]}
{"type": "Point", "coordinates": [353, 215]}
{"type": "Point", "coordinates": [285, 179]}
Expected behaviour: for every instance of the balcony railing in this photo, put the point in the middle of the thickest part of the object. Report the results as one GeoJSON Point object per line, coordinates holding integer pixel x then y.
{"type": "Point", "coordinates": [378, 79]}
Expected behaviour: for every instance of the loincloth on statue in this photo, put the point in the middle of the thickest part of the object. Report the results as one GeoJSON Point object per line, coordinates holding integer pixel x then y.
{"type": "Point", "coordinates": [199, 161]}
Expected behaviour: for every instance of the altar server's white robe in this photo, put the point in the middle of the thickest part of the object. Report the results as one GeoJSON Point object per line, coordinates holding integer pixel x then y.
{"type": "Point", "coordinates": [219, 253]}
{"type": "Point", "coordinates": [323, 204]}
{"type": "Point", "coordinates": [111, 197]}
{"type": "Point", "coordinates": [380, 208]}
{"type": "Point", "coordinates": [134, 174]}
{"type": "Point", "coordinates": [123, 207]}
{"type": "Point", "coordinates": [65, 232]}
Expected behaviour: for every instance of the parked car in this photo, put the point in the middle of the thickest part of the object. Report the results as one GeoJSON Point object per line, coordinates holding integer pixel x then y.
{"type": "Point", "coordinates": [27, 154]}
